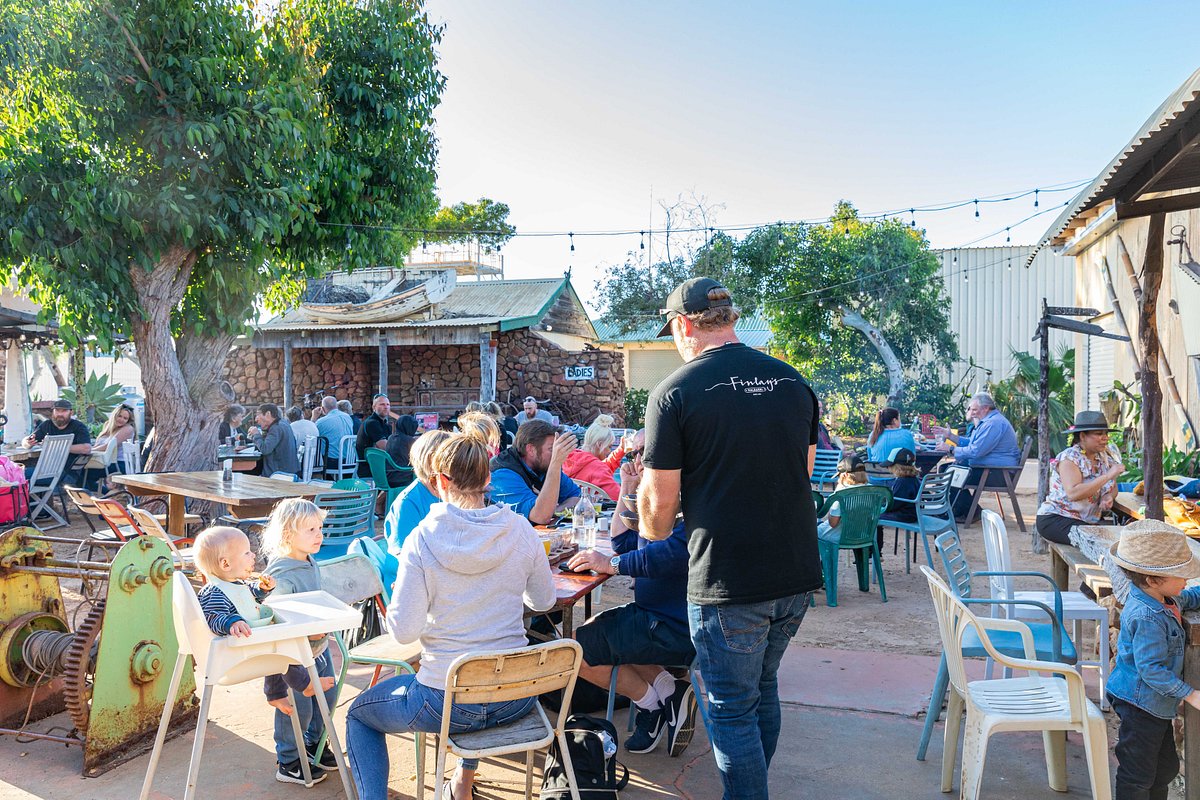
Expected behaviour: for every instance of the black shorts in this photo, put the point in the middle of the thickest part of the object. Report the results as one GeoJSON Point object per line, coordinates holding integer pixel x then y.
{"type": "Point", "coordinates": [629, 634]}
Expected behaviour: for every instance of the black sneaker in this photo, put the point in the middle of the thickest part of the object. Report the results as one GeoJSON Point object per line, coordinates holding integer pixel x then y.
{"type": "Point", "coordinates": [328, 761]}
{"type": "Point", "coordinates": [649, 729]}
{"type": "Point", "coordinates": [682, 711]}
{"type": "Point", "coordinates": [291, 773]}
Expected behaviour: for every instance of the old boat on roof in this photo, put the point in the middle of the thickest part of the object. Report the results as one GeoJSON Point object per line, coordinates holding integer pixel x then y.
{"type": "Point", "coordinates": [376, 295]}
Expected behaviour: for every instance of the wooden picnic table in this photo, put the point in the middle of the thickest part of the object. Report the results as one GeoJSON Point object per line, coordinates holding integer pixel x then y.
{"type": "Point", "coordinates": [570, 588]}
{"type": "Point", "coordinates": [1129, 504]}
{"type": "Point", "coordinates": [246, 496]}
{"type": "Point", "coordinates": [1066, 558]}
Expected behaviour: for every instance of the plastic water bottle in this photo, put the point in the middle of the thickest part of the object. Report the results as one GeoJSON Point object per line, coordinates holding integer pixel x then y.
{"type": "Point", "coordinates": [583, 524]}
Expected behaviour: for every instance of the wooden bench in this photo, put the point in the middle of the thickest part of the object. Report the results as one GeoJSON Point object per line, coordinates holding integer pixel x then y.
{"type": "Point", "coordinates": [1067, 559]}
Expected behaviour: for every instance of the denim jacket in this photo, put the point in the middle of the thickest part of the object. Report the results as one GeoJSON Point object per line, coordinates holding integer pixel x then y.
{"type": "Point", "coordinates": [1149, 667]}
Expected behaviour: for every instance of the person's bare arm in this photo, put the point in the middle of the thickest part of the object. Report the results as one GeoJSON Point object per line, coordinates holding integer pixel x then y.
{"type": "Point", "coordinates": [1076, 488]}
{"type": "Point", "coordinates": [547, 503]}
{"type": "Point", "coordinates": [658, 502]}
{"type": "Point", "coordinates": [80, 449]}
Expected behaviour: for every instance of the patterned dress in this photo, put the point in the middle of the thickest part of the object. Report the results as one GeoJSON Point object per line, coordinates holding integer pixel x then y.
{"type": "Point", "coordinates": [1085, 509]}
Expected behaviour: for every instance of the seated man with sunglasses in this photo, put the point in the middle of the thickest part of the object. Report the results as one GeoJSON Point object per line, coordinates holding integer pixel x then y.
{"type": "Point", "coordinates": [650, 631]}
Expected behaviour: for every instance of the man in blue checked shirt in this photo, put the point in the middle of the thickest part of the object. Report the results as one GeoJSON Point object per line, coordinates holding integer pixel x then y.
{"type": "Point", "coordinates": [993, 443]}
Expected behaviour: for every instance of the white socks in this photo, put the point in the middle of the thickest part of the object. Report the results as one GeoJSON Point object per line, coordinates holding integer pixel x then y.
{"type": "Point", "coordinates": [664, 685]}
{"type": "Point", "coordinates": [649, 701]}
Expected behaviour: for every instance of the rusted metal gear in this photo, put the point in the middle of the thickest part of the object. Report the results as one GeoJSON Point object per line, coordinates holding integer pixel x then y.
{"type": "Point", "coordinates": [77, 683]}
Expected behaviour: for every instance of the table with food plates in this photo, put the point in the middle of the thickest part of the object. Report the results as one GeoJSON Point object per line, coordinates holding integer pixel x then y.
{"type": "Point", "coordinates": [20, 453]}
{"type": "Point", "coordinates": [571, 587]}
{"type": "Point", "coordinates": [246, 495]}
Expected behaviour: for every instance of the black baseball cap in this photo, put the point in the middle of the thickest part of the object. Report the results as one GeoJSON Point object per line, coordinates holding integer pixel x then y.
{"type": "Point", "coordinates": [902, 456]}
{"type": "Point", "coordinates": [689, 297]}
{"type": "Point", "coordinates": [63, 403]}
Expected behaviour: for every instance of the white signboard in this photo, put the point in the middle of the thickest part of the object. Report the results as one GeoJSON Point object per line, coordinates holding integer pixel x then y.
{"type": "Point", "coordinates": [580, 373]}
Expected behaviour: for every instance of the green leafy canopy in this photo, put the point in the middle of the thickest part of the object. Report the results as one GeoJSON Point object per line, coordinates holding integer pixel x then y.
{"type": "Point", "coordinates": [247, 144]}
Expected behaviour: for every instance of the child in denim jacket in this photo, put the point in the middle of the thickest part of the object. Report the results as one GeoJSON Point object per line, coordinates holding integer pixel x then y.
{"type": "Point", "coordinates": [1146, 685]}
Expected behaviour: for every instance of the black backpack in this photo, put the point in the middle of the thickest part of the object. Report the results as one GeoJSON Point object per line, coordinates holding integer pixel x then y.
{"type": "Point", "coordinates": [592, 743]}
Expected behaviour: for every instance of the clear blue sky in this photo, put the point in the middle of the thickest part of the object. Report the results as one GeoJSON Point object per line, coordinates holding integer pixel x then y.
{"type": "Point", "coordinates": [576, 114]}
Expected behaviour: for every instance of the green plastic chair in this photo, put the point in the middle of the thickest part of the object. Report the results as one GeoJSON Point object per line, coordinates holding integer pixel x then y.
{"type": "Point", "coordinates": [380, 462]}
{"type": "Point", "coordinates": [348, 514]}
{"type": "Point", "coordinates": [859, 508]}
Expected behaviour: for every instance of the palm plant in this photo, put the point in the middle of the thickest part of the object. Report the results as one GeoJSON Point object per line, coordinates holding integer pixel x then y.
{"type": "Point", "coordinates": [1017, 396]}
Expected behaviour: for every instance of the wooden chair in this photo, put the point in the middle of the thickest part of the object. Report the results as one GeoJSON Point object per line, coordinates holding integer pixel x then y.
{"type": "Point", "coordinates": [500, 676]}
{"type": "Point", "coordinates": [180, 548]}
{"type": "Point", "coordinates": [1011, 475]}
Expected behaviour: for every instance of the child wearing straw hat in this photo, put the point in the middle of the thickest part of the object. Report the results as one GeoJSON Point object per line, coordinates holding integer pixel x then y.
{"type": "Point", "coordinates": [1147, 683]}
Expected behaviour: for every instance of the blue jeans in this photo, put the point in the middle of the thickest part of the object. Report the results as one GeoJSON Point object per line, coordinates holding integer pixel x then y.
{"type": "Point", "coordinates": [402, 704]}
{"type": "Point", "coordinates": [309, 715]}
{"type": "Point", "coordinates": [739, 648]}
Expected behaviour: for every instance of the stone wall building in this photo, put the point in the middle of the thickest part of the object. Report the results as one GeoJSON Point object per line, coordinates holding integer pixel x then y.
{"type": "Point", "coordinates": [498, 339]}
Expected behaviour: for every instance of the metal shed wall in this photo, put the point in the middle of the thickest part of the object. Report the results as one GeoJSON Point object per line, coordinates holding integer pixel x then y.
{"type": "Point", "coordinates": [994, 309]}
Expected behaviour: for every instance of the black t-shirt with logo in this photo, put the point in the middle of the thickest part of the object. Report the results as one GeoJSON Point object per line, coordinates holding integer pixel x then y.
{"type": "Point", "coordinates": [738, 424]}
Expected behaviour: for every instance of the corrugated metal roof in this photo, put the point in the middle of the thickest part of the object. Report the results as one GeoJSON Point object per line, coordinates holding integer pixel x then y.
{"type": "Point", "coordinates": [471, 303]}
{"type": "Point", "coordinates": [1154, 133]}
{"type": "Point", "coordinates": [751, 329]}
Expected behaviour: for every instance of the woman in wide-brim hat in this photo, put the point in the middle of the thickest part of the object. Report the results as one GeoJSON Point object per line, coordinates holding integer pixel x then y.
{"type": "Point", "coordinates": [1082, 479]}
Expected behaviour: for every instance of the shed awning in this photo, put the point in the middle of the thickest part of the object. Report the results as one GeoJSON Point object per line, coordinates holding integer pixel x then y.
{"type": "Point", "coordinates": [1161, 159]}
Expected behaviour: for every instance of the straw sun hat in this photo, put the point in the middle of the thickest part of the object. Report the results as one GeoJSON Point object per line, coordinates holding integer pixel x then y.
{"type": "Point", "coordinates": [1155, 548]}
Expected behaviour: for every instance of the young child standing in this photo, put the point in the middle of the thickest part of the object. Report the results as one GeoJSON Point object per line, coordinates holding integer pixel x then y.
{"type": "Point", "coordinates": [232, 593]}
{"type": "Point", "coordinates": [1146, 685]}
{"type": "Point", "coordinates": [291, 537]}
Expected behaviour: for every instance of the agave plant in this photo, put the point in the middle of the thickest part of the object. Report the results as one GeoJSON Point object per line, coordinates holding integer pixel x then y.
{"type": "Point", "coordinates": [1017, 395]}
{"type": "Point", "coordinates": [97, 400]}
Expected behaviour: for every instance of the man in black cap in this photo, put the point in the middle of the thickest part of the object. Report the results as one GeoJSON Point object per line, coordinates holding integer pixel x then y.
{"type": "Point", "coordinates": [732, 434]}
{"type": "Point", "coordinates": [63, 423]}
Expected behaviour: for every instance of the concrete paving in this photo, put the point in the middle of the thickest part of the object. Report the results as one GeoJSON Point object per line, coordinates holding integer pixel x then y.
{"type": "Point", "coordinates": [851, 721]}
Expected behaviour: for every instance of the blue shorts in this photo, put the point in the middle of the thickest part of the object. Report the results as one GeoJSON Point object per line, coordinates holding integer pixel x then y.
{"type": "Point", "coordinates": [630, 634]}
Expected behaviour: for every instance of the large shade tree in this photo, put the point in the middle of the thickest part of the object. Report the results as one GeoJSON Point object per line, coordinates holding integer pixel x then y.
{"type": "Point", "coordinates": [167, 164]}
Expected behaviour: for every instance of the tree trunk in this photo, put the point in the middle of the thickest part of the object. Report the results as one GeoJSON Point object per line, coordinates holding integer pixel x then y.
{"type": "Point", "coordinates": [1152, 423]}
{"type": "Point", "coordinates": [852, 319]}
{"type": "Point", "coordinates": [181, 376]}
{"type": "Point", "coordinates": [52, 365]}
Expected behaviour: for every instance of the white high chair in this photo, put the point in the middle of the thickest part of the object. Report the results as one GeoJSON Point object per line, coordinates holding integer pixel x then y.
{"type": "Point", "coordinates": [228, 660]}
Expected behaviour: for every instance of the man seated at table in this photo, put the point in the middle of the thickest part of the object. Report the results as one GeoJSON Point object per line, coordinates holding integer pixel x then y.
{"type": "Point", "coordinates": [63, 423]}
{"type": "Point", "coordinates": [274, 439]}
{"type": "Point", "coordinates": [530, 412]}
{"type": "Point", "coordinates": [301, 428]}
{"type": "Point", "coordinates": [332, 426]}
{"type": "Point", "coordinates": [647, 633]}
{"type": "Point", "coordinates": [374, 432]}
{"type": "Point", "coordinates": [528, 475]}
{"type": "Point", "coordinates": [347, 408]}
{"type": "Point", "coordinates": [993, 444]}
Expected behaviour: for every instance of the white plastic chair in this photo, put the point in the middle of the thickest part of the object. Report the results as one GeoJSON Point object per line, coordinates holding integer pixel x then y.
{"type": "Point", "coordinates": [43, 483]}
{"type": "Point", "coordinates": [309, 460]}
{"type": "Point", "coordinates": [1035, 703]}
{"type": "Point", "coordinates": [347, 463]}
{"type": "Point", "coordinates": [1076, 606]}
{"type": "Point", "coordinates": [500, 676]}
{"type": "Point", "coordinates": [131, 457]}
{"type": "Point", "coordinates": [227, 660]}
{"type": "Point", "coordinates": [591, 491]}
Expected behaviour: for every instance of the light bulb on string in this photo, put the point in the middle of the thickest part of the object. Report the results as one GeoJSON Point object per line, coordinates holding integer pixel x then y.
{"type": "Point", "coordinates": [966, 277]}
{"type": "Point", "coordinates": [711, 237]}
{"type": "Point", "coordinates": [424, 246]}
{"type": "Point", "coordinates": [976, 209]}
{"type": "Point", "coordinates": [572, 237]}
{"type": "Point", "coordinates": [779, 232]}
{"type": "Point", "coordinates": [1035, 197]}
{"type": "Point", "coordinates": [912, 223]}
{"type": "Point", "coordinates": [955, 262]}
{"type": "Point", "coordinates": [1010, 265]}
{"type": "Point", "coordinates": [642, 246]}
{"type": "Point", "coordinates": [1007, 236]}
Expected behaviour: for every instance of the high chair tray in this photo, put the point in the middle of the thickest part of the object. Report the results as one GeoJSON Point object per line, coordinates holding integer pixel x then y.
{"type": "Point", "coordinates": [303, 614]}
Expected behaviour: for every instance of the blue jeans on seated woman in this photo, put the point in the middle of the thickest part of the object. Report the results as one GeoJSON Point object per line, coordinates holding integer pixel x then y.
{"type": "Point", "coordinates": [402, 704]}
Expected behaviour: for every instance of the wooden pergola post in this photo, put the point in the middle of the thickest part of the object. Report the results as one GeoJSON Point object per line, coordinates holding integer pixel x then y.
{"type": "Point", "coordinates": [287, 374]}
{"type": "Point", "coordinates": [1151, 347]}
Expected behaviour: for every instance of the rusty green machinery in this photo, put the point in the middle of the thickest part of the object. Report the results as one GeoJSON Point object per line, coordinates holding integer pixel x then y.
{"type": "Point", "coordinates": [110, 671]}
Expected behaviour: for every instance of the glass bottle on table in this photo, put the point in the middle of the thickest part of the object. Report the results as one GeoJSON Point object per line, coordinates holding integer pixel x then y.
{"type": "Point", "coordinates": [583, 523]}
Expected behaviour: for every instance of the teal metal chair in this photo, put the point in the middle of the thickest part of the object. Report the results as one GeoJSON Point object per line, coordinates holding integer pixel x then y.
{"type": "Point", "coordinates": [1050, 639]}
{"type": "Point", "coordinates": [935, 516]}
{"type": "Point", "coordinates": [347, 514]}
{"type": "Point", "coordinates": [859, 508]}
{"type": "Point", "coordinates": [380, 462]}
{"type": "Point", "coordinates": [825, 464]}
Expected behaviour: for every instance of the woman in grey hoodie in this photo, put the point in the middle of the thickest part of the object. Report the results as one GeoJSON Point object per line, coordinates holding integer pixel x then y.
{"type": "Point", "coordinates": [466, 575]}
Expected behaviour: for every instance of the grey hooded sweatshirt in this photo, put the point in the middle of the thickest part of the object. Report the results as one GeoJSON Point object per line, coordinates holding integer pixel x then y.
{"type": "Point", "coordinates": [465, 578]}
